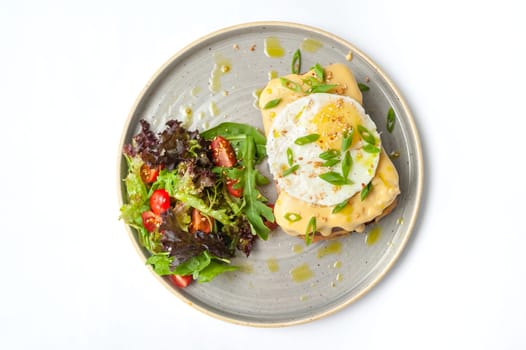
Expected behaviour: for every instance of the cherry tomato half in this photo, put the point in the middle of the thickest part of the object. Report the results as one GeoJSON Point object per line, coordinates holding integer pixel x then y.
{"type": "Point", "coordinates": [201, 222]}
{"type": "Point", "coordinates": [160, 201]}
{"type": "Point", "coordinates": [181, 281]}
{"type": "Point", "coordinates": [151, 221]}
{"type": "Point", "coordinates": [149, 175]}
{"type": "Point", "coordinates": [222, 152]}
{"type": "Point", "coordinates": [236, 192]}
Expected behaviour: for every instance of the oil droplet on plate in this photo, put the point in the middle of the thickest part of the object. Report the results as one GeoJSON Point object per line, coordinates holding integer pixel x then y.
{"type": "Point", "coordinates": [311, 45]}
{"type": "Point", "coordinates": [400, 221]}
{"type": "Point", "coordinates": [221, 67]}
{"type": "Point", "coordinates": [213, 109]}
{"type": "Point", "coordinates": [195, 91]}
{"type": "Point", "coordinates": [301, 273]}
{"type": "Point", "coordinates": [272, 265]}
{"type": "Point", "coordinates": [246, 268]}
{"type": "Point", "coordinates": [256, 93]}
{"type": "Point", "coordinates": [297, 248]}
{"type": "Point", "coordinates": [272, 75]}
{"type": "Point", "coordinates": [337, 264]}
{"type": "Point", "coordinates": [373, 235]}
{"type": "Point", "coordinates": [333, 247]}
{"type": "Point", "coordinates": [339, 277]}
{"type": "Point", "coordinates": [273, 47]}
{"type": "Point", "coordinates": [304, 297]}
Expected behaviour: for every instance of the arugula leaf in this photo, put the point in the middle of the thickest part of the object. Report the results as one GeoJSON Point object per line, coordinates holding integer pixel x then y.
{"type": "Point", "coordinates": [237, 133]}
{"type": "Point", "coordinates": [255, 207]}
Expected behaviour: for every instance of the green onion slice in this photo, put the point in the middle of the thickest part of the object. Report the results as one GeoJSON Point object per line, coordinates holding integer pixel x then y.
{"type": "Point", "coordinates": [390, 119]}
{"type": "Point", "coordinates": [319, 88]}
{"type": "Point", "coordinates": [290, 170]}
{"type": "Point", "coordinates": [330, 162]}
{"type": "Point", "coordinates": [292, 85]}
{"type": "Point", "coordinates": [339, 207]}
{"type": "Point", "coordinates": [335, 178]}
{"type": "Point", "coordinates": [307, 139]}
{"type": "Point", "coordinates": [347, 139]}
{"type": "Point", "coordinates": [310, 231]}
{"type": "Point", "coordinates": [346, 164]}
{"type": "Point", "coordinates": [366, 135]}
{"type": "Point", "coordinates": [330, 154]}
{"type": "Point", "coordinates": [365, 190]}
{"type": "Point", "coordinates": [292, 217]}
{"type": "Point", "coordinates": [363, 87]}
{"type": "Point", "coordinates": [272, 103]}
{"type": "Point", "coordinates": [296, 62]}
{"type": "Point", "coordinates": [290, 156]}
{"type": "Point", "coordinates": [370, 148]}
{"type": "Point", "coordinates": [320, 73]}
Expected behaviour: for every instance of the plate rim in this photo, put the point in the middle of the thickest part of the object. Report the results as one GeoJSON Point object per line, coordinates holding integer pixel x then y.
{"type": "Point", "coordinates": [410, 122]}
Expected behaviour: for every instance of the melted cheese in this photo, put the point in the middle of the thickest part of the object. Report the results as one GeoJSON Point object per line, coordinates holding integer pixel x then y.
{"type": "Point", "coordinates": [385, 187]}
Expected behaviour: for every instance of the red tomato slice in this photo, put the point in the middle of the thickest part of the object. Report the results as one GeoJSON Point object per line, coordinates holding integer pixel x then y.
{"type": "Point", "coordinates": [236, 192]}
{"type": "Point", "coordinates": [160, 201]}
{"type": "Point", "coordinates": [222, 152]}
{"type": "Point", "coordinates": [151, 221]}
{"type": "Point", "coordinates": [201, 222]}
{"type": "Point", "coordinates": [181, 281]}
{"type": "Point", "coordinates": [149, 175]}
{"type": "Point", "coordinates": [272, 225]}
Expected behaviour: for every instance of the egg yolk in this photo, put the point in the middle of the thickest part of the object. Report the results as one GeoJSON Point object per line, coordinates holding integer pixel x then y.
{"type": "Point", "coordinates": [332, 121]}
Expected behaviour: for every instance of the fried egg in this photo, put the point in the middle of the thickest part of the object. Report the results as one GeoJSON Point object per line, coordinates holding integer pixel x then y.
{"type": "Point", "coordinates": [305, 148]}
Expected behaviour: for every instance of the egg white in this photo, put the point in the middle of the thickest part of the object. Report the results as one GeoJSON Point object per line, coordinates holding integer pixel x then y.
{"type": "Point", "coordinates": [296, 120]}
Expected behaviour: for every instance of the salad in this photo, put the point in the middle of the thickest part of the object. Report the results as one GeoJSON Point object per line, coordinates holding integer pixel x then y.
{"type": "Point", "coordinates": [193, 197]}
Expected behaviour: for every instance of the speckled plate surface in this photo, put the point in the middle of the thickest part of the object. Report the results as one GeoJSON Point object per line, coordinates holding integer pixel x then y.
{"type": "Point", "coordinates": [267, 291]}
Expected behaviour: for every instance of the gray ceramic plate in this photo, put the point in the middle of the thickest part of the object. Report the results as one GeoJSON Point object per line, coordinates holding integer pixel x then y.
{"type": "Point", "coordinates": [270, 289]}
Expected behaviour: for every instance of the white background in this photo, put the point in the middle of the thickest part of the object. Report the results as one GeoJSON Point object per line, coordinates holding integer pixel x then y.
{"type": "Point", "coordinates": [70, 277]}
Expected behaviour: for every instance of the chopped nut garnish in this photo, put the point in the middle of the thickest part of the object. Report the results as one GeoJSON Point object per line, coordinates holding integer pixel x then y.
{"type": "Point", "coordinates": [253, 47]}
{"type": "Point", "coordinates": [348, 57]}
{"type": "Point", "coordinates": [367, 79]}
{"type": "Point", "coordinates": [329, 75]}
{"type": "Point", "coordinates": [235, 47]}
